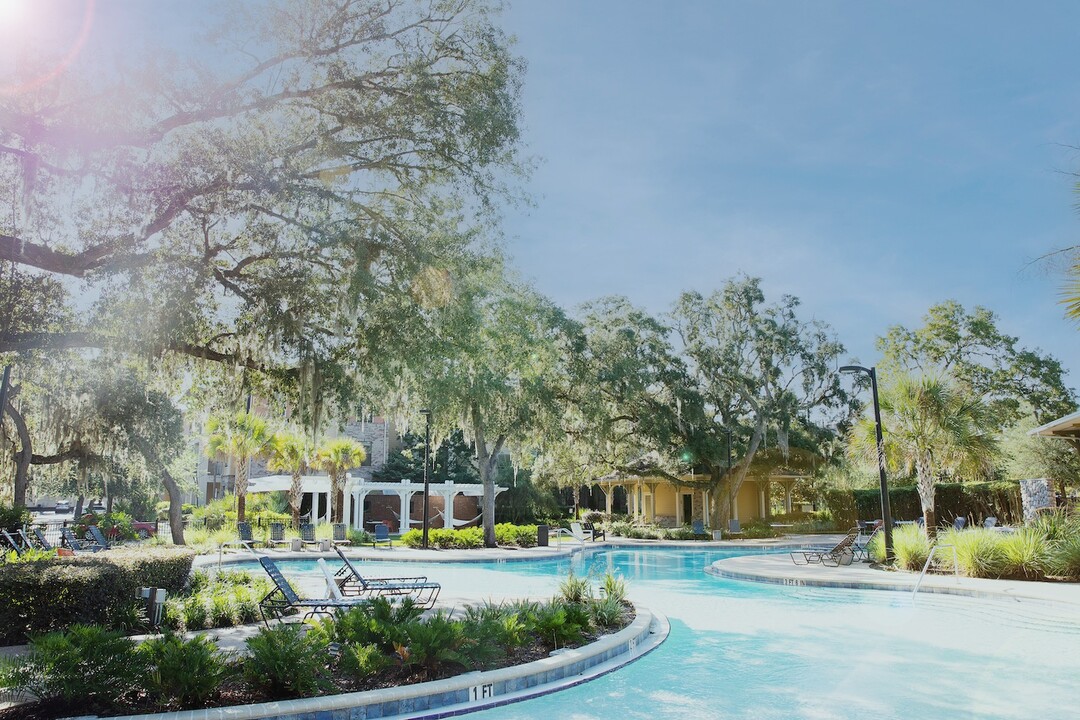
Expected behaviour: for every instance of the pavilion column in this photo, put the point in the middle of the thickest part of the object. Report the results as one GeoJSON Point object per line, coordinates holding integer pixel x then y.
{"type": "Point", "coordinates": [678, 506]}
{"type": "Point", "coordinates": [787, 497]}
{"type": "Point", "coordinates": [651, 511]}
{"type": "Point", "coordinates": [358, 503]}
{"type": "Point", "coordinates": [761, 498]}
{"type": "Point", "coordinates": [706, 509]}
{"type": "Point", "coordinates": [609, 492]}
{"type": "Point", "coordinates": [405, 519]}
{"type": "Point", "coordinates": [448, 509]}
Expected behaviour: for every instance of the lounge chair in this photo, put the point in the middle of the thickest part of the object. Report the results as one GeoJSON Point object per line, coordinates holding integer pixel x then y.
{"type": "Point", "coordinates": [734, 528]}
{"type": "Point", "coordinates": [98, 536]}
{"type": "Point", "coordinates": [25, 539]}
{"type": "Point", "coordinates": [341, 535]}
{"type": "Point", "coordinates": [698, 527]}
{"type": "Point", "coordinates": [284, 598]}
{"type": "Point", "coordinates": [959, 523]}
{"type": "Point", "coordinates": [382, 534]}
{"type": "Point", "coordinates": [840, 554]}
{"type": "Point", "coordinates": [861, 546]}
{"type": "Point", "coordinates": [43, 542]}
{"type": "Point", "coordinates": [990, 522]}
{"type": "Point", "coordinates": [307, 534]}
{"type": "Point", "coordinates": [277, 535]}
{"type": "Point", "coordinates": [592, 532]}
{"type": "Point", "coordinates": [69, 539]}
{"type": "Point", "coordinates": [352, 583]}
{"type": "Point", "coordinates": [12, 543]}
{"type": "Point", "coordinates": [244, 537]}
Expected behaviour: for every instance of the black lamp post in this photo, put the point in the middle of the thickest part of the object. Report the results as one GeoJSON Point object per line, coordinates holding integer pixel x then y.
{"type": "Point", "coordinates": [886, 510]}
{"type": "Point", "coordinates": [427, 450]}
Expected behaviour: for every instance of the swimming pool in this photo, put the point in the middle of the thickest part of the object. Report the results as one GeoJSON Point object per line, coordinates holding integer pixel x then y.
{"type": "Point", "coordinates": [748, 650]}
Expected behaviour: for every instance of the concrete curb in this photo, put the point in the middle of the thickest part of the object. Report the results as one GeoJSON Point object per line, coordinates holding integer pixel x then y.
{"type": "Point", "coordinates": [461, 694]}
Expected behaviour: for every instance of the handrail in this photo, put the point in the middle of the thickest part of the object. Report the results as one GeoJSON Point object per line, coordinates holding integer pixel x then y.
{"type": "Point", "coordinates": [926, 566]}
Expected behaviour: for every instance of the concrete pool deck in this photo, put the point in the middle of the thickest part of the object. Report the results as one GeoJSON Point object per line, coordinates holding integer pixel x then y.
{"type": "Point", "coordinates": [780, 570]}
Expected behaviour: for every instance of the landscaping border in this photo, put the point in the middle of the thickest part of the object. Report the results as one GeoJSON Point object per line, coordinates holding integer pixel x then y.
{"type": "Point", "coordinates": [460, 694]}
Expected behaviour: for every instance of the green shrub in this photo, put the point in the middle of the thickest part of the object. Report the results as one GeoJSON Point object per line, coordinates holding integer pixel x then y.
{"type": "Point", "coordinates": [471, 537]}
{"type": "Point", "coordinates": [196, 616]}
{"type": "Point", "coordinates": [607, 612]}
{"type": "Point", "coordinates": [184, 672]}
{"type": "Point", "coordinates": [620, 528]}
{"type": "Point", "coordinates": [613, 586]}
{"type": "Point", "coordinates": [978, 552]}
{"type": "Point", "coordinates": [556, 624]}
{"type": "Point", "coordinates": [758, 529]}
{"type": "Point", "coordinates": [363, 661]}
{"type": "Point", "coordinates": [15, 517]}
{"type": "Point", "coordinates": [435, 642]}
{"type": "Point", "coordinates": [1026, 554]}
{"type": "Point", "coordinates": [285, 661]}
{"type": "Point", "coordinates": [85, 667]}
{"type": "Point", "coordinates": [909, 545]}
{"type": "Point", "coordinates": [1064, 557]}
{"type": "Point", "coordinates": [574, 589]}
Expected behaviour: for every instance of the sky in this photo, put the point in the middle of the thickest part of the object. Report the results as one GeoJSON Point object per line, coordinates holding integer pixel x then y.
{"type": "Point", "coordinates": [871, 159]}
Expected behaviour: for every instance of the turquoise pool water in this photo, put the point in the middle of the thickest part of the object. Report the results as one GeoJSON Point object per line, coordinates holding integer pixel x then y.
{"type": "Point", "coordinates": [749, 650]}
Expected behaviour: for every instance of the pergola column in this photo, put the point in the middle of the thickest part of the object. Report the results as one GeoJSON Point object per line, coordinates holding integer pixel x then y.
{"type": "Point", "coordinates": [405, 519]}
{"type": "Point", "coordinates": [787, 497]}
{"type": "Point", "coordinates": [358, 497]}
{"type": "Point", "coordinates": [609, 493]}
{"type": "Point", "coordinates": [448, 508]}
{"type": "Point", "coordinates": [761, 498]}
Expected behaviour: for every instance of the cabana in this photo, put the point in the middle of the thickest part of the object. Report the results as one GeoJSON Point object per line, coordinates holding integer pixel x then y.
{"type": "Point", "coordinates": [357, 489]}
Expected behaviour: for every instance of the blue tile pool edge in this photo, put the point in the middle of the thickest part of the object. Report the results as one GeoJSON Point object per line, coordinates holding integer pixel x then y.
{"type": "Point", "coordinates": [460, 694]}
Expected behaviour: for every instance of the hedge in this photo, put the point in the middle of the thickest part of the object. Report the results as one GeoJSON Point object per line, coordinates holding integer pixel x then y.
{"type": "Point", "coordinates": [975, 501]}
{"type": "Point", "coordinates": [51, 594]}
{"type": "Point", "coordinates": [472, 537]}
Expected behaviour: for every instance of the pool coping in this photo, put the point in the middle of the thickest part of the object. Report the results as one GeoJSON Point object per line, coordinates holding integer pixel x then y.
{"type": "Point", "coordinates": [469, 692]}
{"type": "Point", "coordinates": [779, 570]}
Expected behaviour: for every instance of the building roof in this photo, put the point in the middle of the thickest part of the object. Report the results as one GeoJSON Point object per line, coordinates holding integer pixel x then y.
{"type": "Point", "coordinates": [1066, 427]}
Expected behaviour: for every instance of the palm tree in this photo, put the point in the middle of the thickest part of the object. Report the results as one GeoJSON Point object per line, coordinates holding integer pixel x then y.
{"type": "Point", "coordinates": [238, 439]}
{"type": "Point", "coordinates": [291, 453]}
{"type": "Point", "coordinates": [335, 457]}
{"type": "Point", "coordinates": [930, 427]}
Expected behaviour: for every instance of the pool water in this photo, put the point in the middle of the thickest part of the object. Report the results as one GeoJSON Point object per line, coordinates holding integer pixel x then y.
{"type": "Point", "coordinates": [750, 650]}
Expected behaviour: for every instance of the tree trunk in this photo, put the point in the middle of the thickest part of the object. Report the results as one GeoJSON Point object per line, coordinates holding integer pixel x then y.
{"type": "Point", "coordinates": [172, 489]}
{"type": "Point", "coordinates": [926, 496]}
{"type": "Point", "coordinates": [487, 475]}
{"type": "Point", "coordinates": [730, 481]}
{"type": "Point", "coordinates": [930, 518]}
{"type": "Point", "coordinates": [241, 488]}
{"type": "Point", "coordinates": [337, 507]}
{"type": "Point", "coordinates": [22, 457]}
{"type": "Point", "coordinates": [294, 498]}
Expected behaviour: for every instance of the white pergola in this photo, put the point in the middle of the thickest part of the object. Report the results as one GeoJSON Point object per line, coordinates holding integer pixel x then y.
{"type": "Point", "coordinates": [357, 489]}
{"type": "Point", "coordinates": [1066, 427]}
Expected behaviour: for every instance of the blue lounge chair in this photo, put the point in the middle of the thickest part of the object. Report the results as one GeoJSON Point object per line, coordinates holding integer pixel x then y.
{"type": "Point", "coordinates": [277, 535]}
{"type": "Point", "coordinates": [43, 542]}
{"type": "Point", "coordinates": [341, 534]}
{"type": "Point", "coordinates": [99, 537]}
{"type": "Point", "coordinates": [283, 598]}
{"type": "Point", "coordinates": [352, 583]}
{"type": "Point", "coordinates": [69, 539]}
{"type": "Point", "coordinates": [382, 534]}
{"type": "Point", "coordinates": [307, 534]}
{"type": "Point", "coordinates": [12, 543]}
{"type": "Point", "coordinates": [244, 539]}
{"type": "Point", "coordinates": [698, 527]}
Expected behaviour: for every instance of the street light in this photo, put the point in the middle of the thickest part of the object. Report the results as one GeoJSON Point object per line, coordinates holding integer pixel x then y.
{"type": "Point", "coordinates": [427, 450]}
{"type": "Point", "coordinates": [886, 510]}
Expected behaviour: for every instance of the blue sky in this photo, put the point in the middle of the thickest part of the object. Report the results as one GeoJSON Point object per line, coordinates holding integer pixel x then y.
{"type": "Point", "coordinates": [870, 158]}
